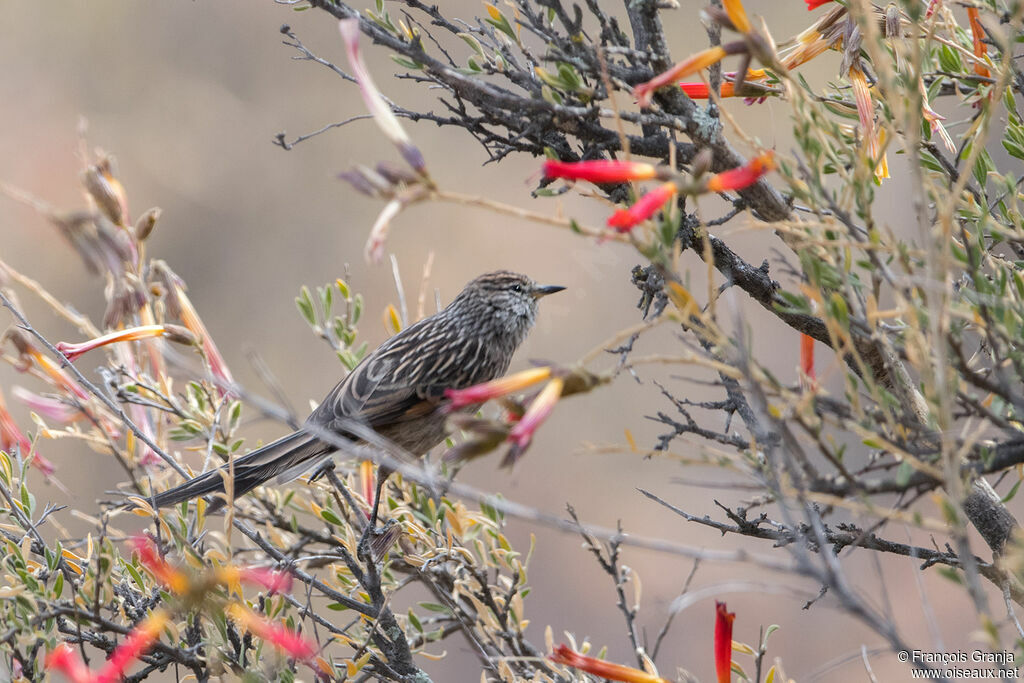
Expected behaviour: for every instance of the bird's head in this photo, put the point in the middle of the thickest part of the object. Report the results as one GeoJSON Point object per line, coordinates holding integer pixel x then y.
{"type": "Point", "coordinates": [505, 300]}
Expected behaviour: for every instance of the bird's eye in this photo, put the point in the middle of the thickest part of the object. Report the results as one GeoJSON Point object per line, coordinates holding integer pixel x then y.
{"type": "Point", "coordinates": [517, 288]}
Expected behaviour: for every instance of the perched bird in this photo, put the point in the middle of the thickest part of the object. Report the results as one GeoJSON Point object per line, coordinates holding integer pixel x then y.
{"type": "Point", "coordinates": [398, 389]}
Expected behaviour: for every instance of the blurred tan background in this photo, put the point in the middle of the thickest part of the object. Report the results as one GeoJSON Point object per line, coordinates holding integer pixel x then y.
{"type": "Point", "coordinates": [188, 97]}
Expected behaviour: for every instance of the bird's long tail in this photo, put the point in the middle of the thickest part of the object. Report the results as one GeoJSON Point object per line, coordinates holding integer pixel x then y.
{"type": "Point", "coordinates": [281, 456]}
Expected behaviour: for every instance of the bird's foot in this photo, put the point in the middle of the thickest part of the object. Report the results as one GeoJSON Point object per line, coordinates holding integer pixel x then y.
{"type": "Point", "coordinates": [322, 470]}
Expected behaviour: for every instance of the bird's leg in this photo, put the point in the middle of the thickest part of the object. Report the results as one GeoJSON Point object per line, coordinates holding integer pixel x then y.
{"type": "Point", "coordinates": [382, 478]}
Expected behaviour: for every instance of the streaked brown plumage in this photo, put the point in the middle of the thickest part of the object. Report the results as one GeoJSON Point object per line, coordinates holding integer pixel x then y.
{"type": "Point", "coordinates": [398, 389]}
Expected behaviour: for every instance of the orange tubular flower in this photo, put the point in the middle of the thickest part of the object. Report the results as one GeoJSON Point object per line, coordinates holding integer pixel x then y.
{"type": "Point", "coordinates": [173, 332]}
{"type": "Point", "coordinates": [737, 15]}
{"type": "Point", "coordinates": [807, 355]}
{"type": "Point", "coordinates": [174, 579]}
{"type": "Point", "coordinates": [566, 656]}
{"type": "Point", "coordinates": [624, 220]}
{"type": "Point", "coordinates": [522, 433]}
{"type": "Point", "coordinates": [280, 637]}
{"type": "Point", "coordinates": [743, 176]}
{"type": "Point", "coordinates": [133, 647]}
{"type": "Point", "coordinates": [600, 171]}
{"type": "Point", "coordinates": [723, 642]}
{"type": "Point", "coordinates": [978, 36]}
{"type": "Point", "coordinates": [478, 393]}
{"type": "Point", "coordinates": [690, 65]}
{"type": "Point", "coordinates": [369, 484]}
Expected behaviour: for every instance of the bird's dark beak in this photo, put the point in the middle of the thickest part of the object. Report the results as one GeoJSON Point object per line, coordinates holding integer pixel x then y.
{"type": "Point", "coordinates": [544, 290]}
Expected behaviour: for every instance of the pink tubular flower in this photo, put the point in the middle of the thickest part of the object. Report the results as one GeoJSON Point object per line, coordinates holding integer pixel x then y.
{"type": "Point", "coordinates": [272, 580]}
{"type": "Point", "coordinates": [539, 409]}
{"type": "Point", "coordinates": [478, 393]}
{"type": "Point", "coordinates": [381, 111]}
{"type": "Point", "coordinates": [624, 220]}
{"type": "Point", "coordinates": [280, 637]}
{"type": "Point", "coordinates": [374, 250]}
{"type": "Point", "coordinates": [723, 642]}
{"type": "Point", "coordinates": [47, 407]}
{"type": "Point", "coordinates": [690, 65]}
{"type": "Point", "coordinates": [172, 332]}
{"type": "Point", "coordinates": [743, 176]}
{"type": "Point", "coordinates": [134, 646]}
{"type": "Point", "coordinates": [600, 171]}
{"type": "Point", "coordinates": [11, 436]}
{"type": "Point", "coordinates": [66, 660]}
{"type": "Point", "coordinates": [566, 656]}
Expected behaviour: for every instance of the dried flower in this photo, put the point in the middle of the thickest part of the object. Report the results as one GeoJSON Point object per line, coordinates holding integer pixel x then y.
{"type": "Point", "coordinates": [743, 176]}
{"type": "Point", "coordinates": [539, 409]}
{"type": "Point", "coordinates": [866, 113]}
{"type": "Point", "coordinates": [374, 250]}
{"type": "Point", "coordinates": [737, 15]}
{"type": "Point", "coordinates": [723, 642]}
{"type": "Point", "coordinates": [600, 171]}
{"type": "Point", "coordinates": [624, 220]}
{"type": "Point", "coordinates": [381, 111]}
{"type": "Point", "coordinates": [565, 655]}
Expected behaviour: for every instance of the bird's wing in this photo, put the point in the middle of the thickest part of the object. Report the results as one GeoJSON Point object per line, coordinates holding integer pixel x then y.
{"type": "Point", "coordinates": [251, 469]}
{"type": "Point", "coordinates": [403, 380]}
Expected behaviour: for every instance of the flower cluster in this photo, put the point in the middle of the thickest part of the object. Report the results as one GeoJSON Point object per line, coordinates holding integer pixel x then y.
{"type": "Point", "coordinates": [624, 220]}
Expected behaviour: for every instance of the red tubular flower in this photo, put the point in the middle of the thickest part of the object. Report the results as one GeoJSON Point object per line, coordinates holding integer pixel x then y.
{"type": "Point", "coordinates": [600, 171]}
{"type": "Point", "coordinates": [815, 4]}
{"type": "Point", "coordinates": [172, 332]}
{"type": "Point", "coordinates": [723, 642]}
{"type": "Point", "coordinates": [566, 656]}
{"type": "Point", "coordinates": [478, 393]}
{"type": "Point", "coordinates": [134, 646]}
{"type": "Point", "coordinates": [624, 220]}
{"type": "Point", "coordinates": [743, 176]}
{"type": "Point", "coordinates": [174, 579]}
{"type": "Point", "coordinates": [280, 637]}
{"type": "Point", "coordinates": [66, 660]}
{"type": "Point", "coordinates": [522, 433]}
